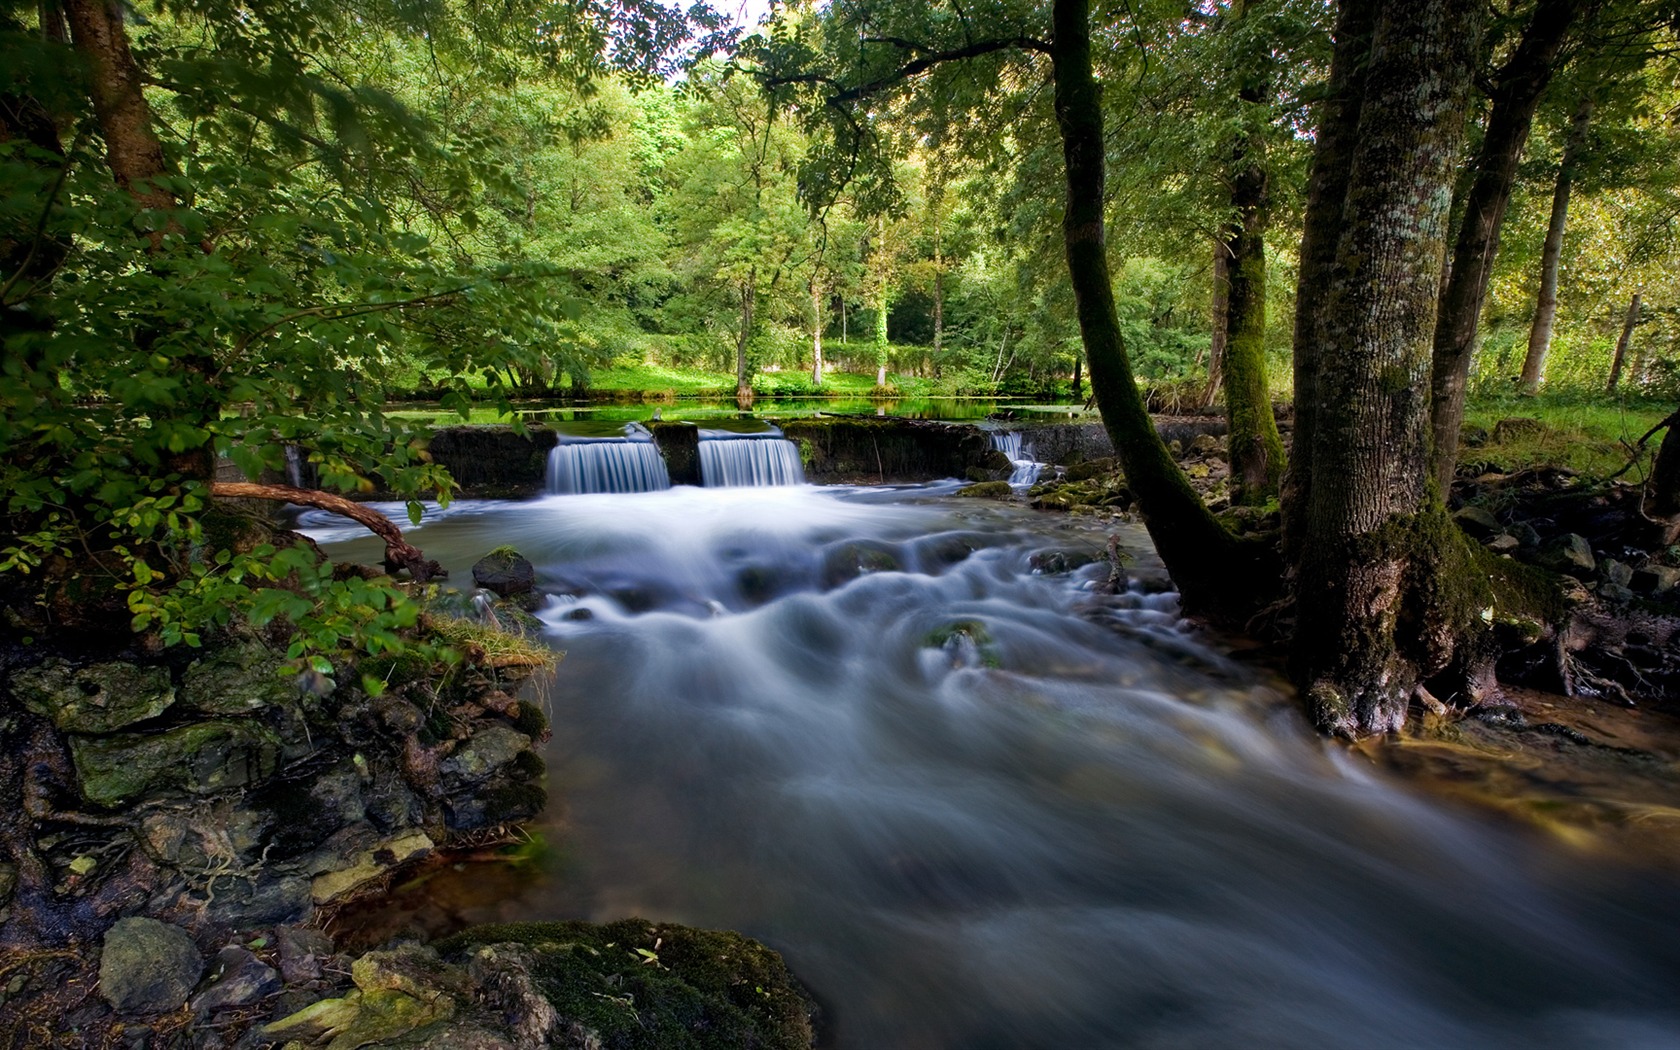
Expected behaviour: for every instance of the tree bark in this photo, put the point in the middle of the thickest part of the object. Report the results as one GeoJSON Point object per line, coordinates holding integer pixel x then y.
{"type": "Point", "coordinates": [132, 148]}
{"type": "Point", "coordinates": [1254, 449]}
{"type": "Point", "coordinates": [1622, 341]}
{"type": "Point", "coordinates": [1221, 318]}
{"type": "Point", "coordinates": [1515, 97]}
{"type": "Point", "coordinates": [399, 553]}
{"type": "Point", "coordinates": [1374, 528]}
{"type": "Point", "coordinates": [1545, 307]}
{"type": "Point", "coordinates": [1201, 556]}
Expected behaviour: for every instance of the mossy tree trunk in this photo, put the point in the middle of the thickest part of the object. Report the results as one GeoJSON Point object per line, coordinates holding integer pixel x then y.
{"type": "Point", "coordinates": [1201, 555]}
{"type": "Point", "coordinates": [1516, 94]}
{"type": "Point", "coordinates": [1255, 450]}
{"type": "Point", "coordinates": [1545, 306]}
{"type": "Point", "coordinates": [1327, 183]}
{"type": "Point", "coordinates": [1219, 315]}
{"type": "Point", "coordinates": [1376, 536]}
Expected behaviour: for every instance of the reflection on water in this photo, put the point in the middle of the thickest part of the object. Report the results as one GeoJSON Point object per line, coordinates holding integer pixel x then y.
{"type": "Point", "coordinates": [978, 805]}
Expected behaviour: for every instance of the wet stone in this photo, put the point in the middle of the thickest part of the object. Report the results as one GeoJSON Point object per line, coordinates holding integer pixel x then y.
{"type": "Point", "coordinates": [505, 572]}
{"type": "Point", "coordinates": [201, 758]}
{"type": "Point", "coordinates": [236, 978]}
{"type": "Point", "coordinates": [247, 903]}
{"type": "Point", "coordinates": [485, 753]}
{"type": "Point", "coordinates": [148, 966]}
{"type": "Point", "coordinates": [98, 698]}
{"type": "Point", "coordinates": [1616, 572]}
{"type": "Point", "coordinates": [302, 950]}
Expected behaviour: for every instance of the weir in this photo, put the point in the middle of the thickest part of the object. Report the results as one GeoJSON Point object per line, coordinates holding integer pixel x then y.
{"type": "Point", "coordinates": [730, 459]}
{"type": "Point", "coordinates": [630, 463]}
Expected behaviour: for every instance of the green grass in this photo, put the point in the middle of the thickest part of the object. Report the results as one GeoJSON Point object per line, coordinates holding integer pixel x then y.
{"type": "Point", "coordinates": [1593, 437]}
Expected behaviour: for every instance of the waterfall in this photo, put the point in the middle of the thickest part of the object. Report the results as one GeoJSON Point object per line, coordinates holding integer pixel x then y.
{"type": "Point", "coordinates": [1027, 469]}
{"type": "Point", "coordinates": [606, 466]}
{"type": "Point", "coordinates": [750, 461]}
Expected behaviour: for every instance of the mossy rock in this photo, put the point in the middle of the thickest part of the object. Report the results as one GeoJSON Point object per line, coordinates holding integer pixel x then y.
{"type": "Point", "coordinates": [1108, 466]}
{"type": "Point", "coordinates": [235, 680]}
{"type": "Point", "coordinates": [988, 490]}
{"type": "Point", "coordinates": [98, 698]}
{"type": "Point", "coordinates": [200, 759]}
{"type": "Point", "coordinates": [637, 985]}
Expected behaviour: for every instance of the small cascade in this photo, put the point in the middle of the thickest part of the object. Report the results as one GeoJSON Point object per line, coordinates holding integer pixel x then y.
{"type": "Point", "coordinates": [628, 464]}
{"type": "Point", "coordinates": [1027, 469]}
{"type": "Point", "coordinates": [734, 460]}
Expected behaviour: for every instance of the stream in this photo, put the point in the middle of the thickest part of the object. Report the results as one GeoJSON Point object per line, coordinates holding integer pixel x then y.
{"type": "Point", "coordinates": [909, 741]}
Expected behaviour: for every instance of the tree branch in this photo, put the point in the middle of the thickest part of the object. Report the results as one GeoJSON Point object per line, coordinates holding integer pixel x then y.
{"type": "Point", "coordinates": [399, 553]}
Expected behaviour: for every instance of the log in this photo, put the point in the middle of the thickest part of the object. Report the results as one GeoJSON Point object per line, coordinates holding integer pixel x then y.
{"type": "Point", "coordinates": [399, 553]}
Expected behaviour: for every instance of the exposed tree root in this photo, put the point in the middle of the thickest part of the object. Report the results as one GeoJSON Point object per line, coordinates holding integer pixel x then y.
{"type": "Point", "coordinates": [399, 553]}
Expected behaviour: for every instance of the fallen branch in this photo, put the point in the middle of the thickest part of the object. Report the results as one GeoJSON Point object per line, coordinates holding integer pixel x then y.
{"type": "Point", "coordinates": [399, 553]}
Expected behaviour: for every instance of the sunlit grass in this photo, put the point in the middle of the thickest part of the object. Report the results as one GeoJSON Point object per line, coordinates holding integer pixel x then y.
{"type": "Point", "coordinates": [1594, 437]}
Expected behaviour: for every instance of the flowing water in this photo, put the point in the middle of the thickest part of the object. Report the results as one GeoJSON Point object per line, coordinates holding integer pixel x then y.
{"type": "Point", "coordinates": [977, 802]}
{"type": "Point", "coordinates": [1026, 467]}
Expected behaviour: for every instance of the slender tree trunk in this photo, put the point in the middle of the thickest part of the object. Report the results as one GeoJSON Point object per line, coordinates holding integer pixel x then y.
{"type": "Point", "coordinates": [1663, 489]}
{"type": "Point", "coordinates": [1516, 95]}
{"type": "Point", "coordinates": [1369, 549]}
{"type": "Point", "coordinates": [938, 299]}
{"type": "Point", "coordinates": [1628, 324]}
{"type": "Point", "coordinates": [816, 334]}
{"type": "Point", "coordinates": [1078, 379]}
{"type": "Point", "coordinates": [399, 553]}
{"type": "Point", "coordinates": [1545, 307]}
{"type": "Point", "coordinates": [1221, 311]}
{"type": "Point", "coordinates": [743, 371]}
{"type": "Point", "coordinates": [1254, 448]}
{"type": "Point", "coordinates": [1199, 553]}
{"type": "Point", "coordinates": [1327, 183]}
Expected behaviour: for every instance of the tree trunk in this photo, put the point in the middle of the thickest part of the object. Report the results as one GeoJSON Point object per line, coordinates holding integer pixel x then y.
{"type": "Point", "coordinates": [1628, 324]}
{"type": "Point", "coordinates": [1327, 183]}
{"type": "Point", "coordinates": [132, 148]}
{"type": "Point", "coordinates": [1254, 449]}
{"type": "Point", "coordinates": [743, 372]}
{"type": "Point", "coordinates": [938, 299]}
{"type": "Point", "coordinates": [1375, 532]}
{"type": "Point", "coordinates": [1221, 311]}
{"type": "Point", "coordinates": [1663, 489]}
{"type": "Point", "coordinates": [816, 335]}
{"type": "Point", "coordinates": [1200, 554]}
{"type": "Point", "coordinates": [1545, 307]}
{"type": "Point", "coordinates": [1516, 94]}
{"type": "Point", "coordinates": [1078, 379]}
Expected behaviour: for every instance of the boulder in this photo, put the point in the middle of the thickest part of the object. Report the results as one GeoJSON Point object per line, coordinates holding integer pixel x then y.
{"type": "Point", "coordinates": [1478, 522]}
{"type": "Point", "coordinates": [1504, 543]}
{"type": "Point", "coordinates": [98, 698]}
{"type": "Point", "coordinates": [1616, 572]}
{"type": "Point", "coordinates": [1571, 555]}
{"type": "Point", "coordinates": [988, 490]}
{"type": "Point", "coordinates": [302, 950]}
{"type": "Point", "coordinates": [201, 758]}
{"type": "Point", "coordinates": [147, 966]}
{"type": "Point", "coordinates": [1205, 445]}
{"type": "Point", "coordinates": [344, 873]}
{"type": "Point", "coordinates": [505, 572]}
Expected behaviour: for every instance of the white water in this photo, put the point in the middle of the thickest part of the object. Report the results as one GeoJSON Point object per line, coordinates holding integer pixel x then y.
{"type": "Point", "coordinates": [978, 806]}
{"type": "Point", "coordinates": [606, 466]}
{"type": "Point", "coordinates": [1027, 469]}
{"type": "Point", "coordinates": [750, 461]}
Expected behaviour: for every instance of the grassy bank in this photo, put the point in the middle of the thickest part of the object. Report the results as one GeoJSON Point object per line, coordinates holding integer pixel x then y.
{"type": "Point", "coordinates": [1592, 436]}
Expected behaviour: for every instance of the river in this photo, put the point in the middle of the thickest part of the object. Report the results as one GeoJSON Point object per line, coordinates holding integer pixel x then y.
{"type": "Point", "coordinates": [979, 803]}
